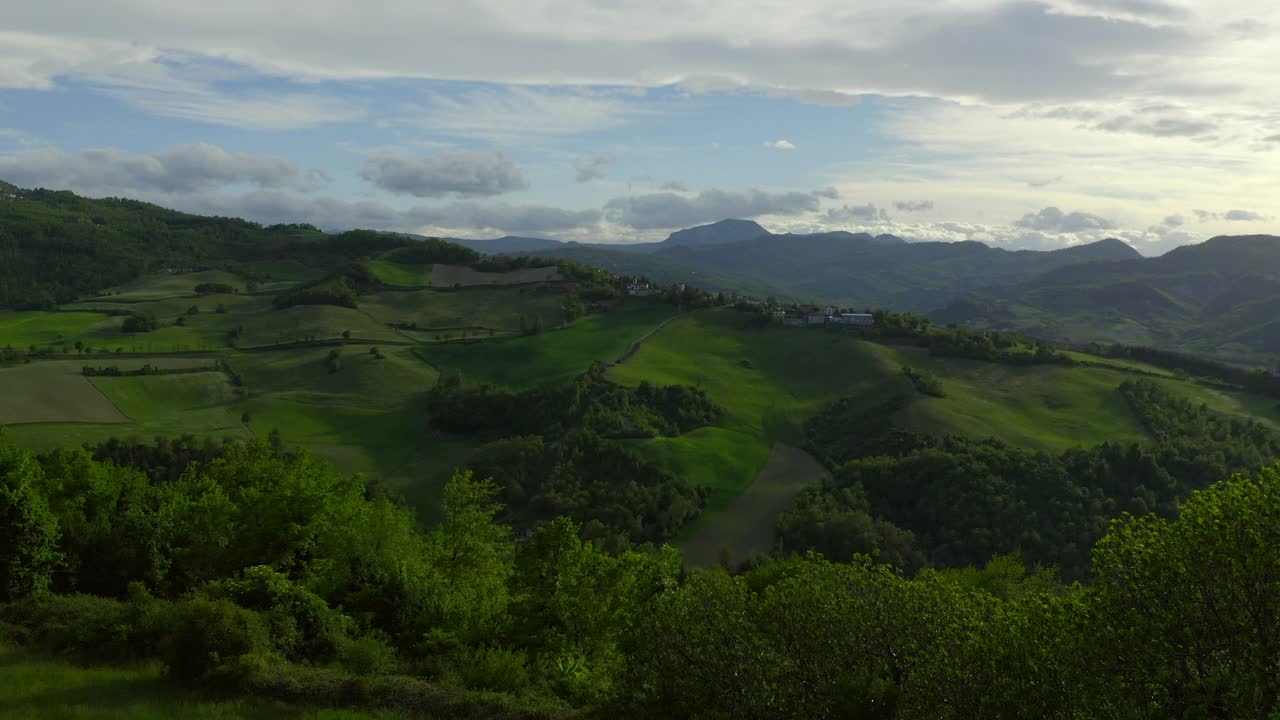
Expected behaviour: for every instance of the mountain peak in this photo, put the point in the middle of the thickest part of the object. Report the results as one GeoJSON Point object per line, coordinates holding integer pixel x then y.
{"type": "Point", "coordinates": [717, 233]}
{"type": "Point", "coordinates": [1105, 249]}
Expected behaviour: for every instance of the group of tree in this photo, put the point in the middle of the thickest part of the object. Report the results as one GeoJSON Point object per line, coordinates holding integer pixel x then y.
{"type": "Point", "coordinates": [558, 450]}
{"type": "Point", "coordinates": [140, 323]}
{"type": "Point", "coordinates": [258, 570]}
{"type": "Point", "coordinates": [918, 501]}
{"type": "Point", "coordinates": [209, 288]}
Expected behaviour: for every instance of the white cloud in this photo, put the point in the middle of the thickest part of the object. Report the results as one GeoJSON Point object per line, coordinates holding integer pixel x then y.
{"type": "Point", "coordinates": [592, 168]}
{"type": "Point", "coordinates": [780, 145]}
{"type": "Point", "coordinates": [855, 214]}
{"type": "Point", "coordinates": [1243, 216]}
{"type": "Point", "coordinates": [994, 50]}
{"type": "Point", "coordinates": [459, 218]}
{"type": "Point", "coordinates": [182, 169]}
{"type": "Point", "coordinates": [671, 210]}
{"type": "Point", "coordinates": [512, 113]}
{"type": "Point", "coordinates": [913, 205]}
{"type": "Point", "coordinates": [1230, 216]}
{"type": "Point", "coordinates": [468, 173]}
{"type": "Point", "coordinates": [1051, 219]}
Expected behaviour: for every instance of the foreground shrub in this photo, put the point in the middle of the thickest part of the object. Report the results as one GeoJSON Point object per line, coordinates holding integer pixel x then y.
{"type": "Point", "coordinates": [207, 640]}
{"type": "Point", "coordinates": [369, 655]}
{"type": "Point", "coordinates": [81, 627]}
{"type": "Point", "coordinates": [302, 625]}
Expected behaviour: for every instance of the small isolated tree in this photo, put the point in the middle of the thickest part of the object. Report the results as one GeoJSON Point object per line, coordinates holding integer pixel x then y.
{"type": "Point", "coordinates": [333, 362]}
{"type": "Point", "coordinates": [221, 309]}
{"type": "Point", "coordinates": [346, 334]}
{"type": "Point", "coordinates": [80, 346]}
{"type": "Point", "coordinates": [193, 310]}
{"type": "Point", "coordinates": [246, 418]}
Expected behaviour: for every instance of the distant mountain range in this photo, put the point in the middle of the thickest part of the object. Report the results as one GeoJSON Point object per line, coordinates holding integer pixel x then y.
{"type": "Point", "coordinates": [1220, 298]}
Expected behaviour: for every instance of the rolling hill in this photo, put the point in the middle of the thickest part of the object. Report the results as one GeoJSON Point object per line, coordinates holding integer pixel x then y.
{"type": "Point", "coordinates": [1216, 298]}
{"type": "Point", "coordinates": [854, 269]}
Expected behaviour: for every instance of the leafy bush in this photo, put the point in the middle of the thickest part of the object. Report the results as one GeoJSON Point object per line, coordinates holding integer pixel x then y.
{"type": "Point", "coordinates": [204, 640]}
{"type": "Point", "coordinates": [492, 669]}
{"type": "Point", "coordinates": [926, 383]}
{"type": "Point", "coordinates": [303, 626]}
{"type": "Point", "coordinates": [368, 655]}
{"type": "Point", "coordinates": [140, 323]}
{"type": "Point", "coordinates": [82, 627]}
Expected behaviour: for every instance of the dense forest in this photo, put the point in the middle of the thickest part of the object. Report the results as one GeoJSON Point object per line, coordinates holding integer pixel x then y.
{"type": "Point", "coordinates": [253, 569]}
{"type": "Point", "coordinates": [915, 500]}
{"type": "Point", "coordinates": [56, 247]}
{"type": "Point", "coordinates": [555, 451]}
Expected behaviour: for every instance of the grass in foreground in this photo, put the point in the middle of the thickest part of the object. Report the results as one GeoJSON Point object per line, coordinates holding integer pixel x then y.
{"type": "Point", "coordinates": [36, 688]}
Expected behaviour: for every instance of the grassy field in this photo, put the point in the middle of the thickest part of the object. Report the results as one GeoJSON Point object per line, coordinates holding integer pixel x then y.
{"type": "Point", "coordinates": [746, 526]}
{"type": "Point", "coordinates": [366, 417]}
{"type": "Point", "coordinates": [50, 392]}
{"type": "Point", "coordinates": [551, 356]}
{"type": "Point", "coordinates": [1047, 406]}
{"type": "Point", "coordinates": [54, 405]}
{"type": "Point", "coordinates": [33, 688]}
{"type": "Point", "coordinates": [724, 461]}
{"type": "Point", "coordinates": [163, 285]}
{"type": "Point", "coordinates": [459, 276]}
{"type": "Point", "coordinates": [197, 403]}
{"type": "Point", "coordinates": [498, 308]}
{"type": "Point", "coordinates": [323, 322]}
{"type": "Point", "coordinates": [769, 379]}
{"type": "Point", "coordinates": [49, 329]}
{"type": "Point", "coordinates": [394, 273]}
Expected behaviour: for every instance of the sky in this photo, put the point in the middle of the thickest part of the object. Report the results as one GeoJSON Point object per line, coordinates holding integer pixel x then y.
{"type": "Point", "coordinates": [1020, 124]}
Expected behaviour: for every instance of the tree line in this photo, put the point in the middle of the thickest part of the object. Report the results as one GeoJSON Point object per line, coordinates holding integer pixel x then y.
{"type": "Point", "coordinates": [918, 501]}
{"type": "Point", "coordinates": [258, 570]}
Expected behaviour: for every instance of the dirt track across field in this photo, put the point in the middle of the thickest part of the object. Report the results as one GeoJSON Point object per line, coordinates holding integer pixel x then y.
{"type": "Point", "coordinates": [746, 526]}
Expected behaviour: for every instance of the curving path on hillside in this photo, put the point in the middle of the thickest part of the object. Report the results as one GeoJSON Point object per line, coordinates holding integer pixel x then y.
{"type": "Point", "coordinates": [633, 347]}
{"type": "Point", "coordinates": [746, 526]}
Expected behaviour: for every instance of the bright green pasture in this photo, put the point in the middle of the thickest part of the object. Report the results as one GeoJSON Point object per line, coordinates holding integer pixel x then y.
{"type": "Point", "coordinates": [168, 309]}
{"type": "Point", "coordinates": [322, 322]}
{"type": "Point", "coordinates": [725, 462]}
{"type": "Point", "coordinates": [368, 417]}
{"type": "Point", "coordinates": [499, 308]}
{"type": "Point", "coordinates": [551, 356]}
{"type": "Point", "coordinates": [162, 285]}
{"type": "Point", "coordinates": [1049, 407]}
{"type": "Point", "coordinates": [22, 329]}
{"type": "Point", "coordinates": [767, 379]}
{"type": "Point", "coordinates": [394, 273]}
{"type": "Point", "coordinates": [197, 403]}
{"type": "Point", "coordinates": [34, 688]}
